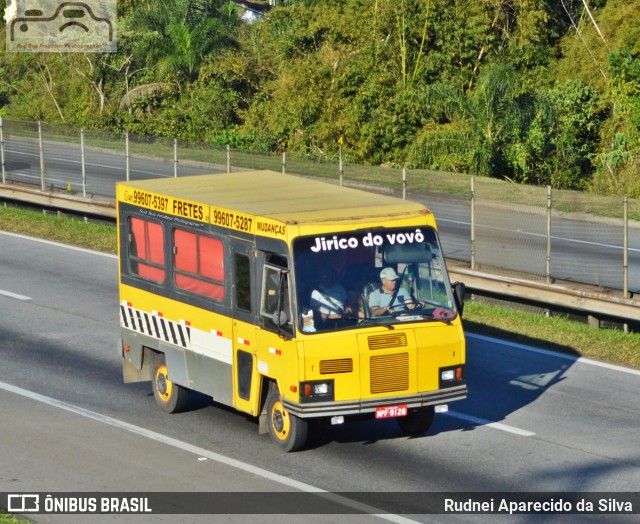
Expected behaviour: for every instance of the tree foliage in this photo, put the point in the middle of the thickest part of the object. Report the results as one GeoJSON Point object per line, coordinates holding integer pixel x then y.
{"type": "Point", "coordinates": [477, 129]}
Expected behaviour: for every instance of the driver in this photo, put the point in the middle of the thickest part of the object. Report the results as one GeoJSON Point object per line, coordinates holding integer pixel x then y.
{"type": "Point", "coordinates": [380, 300]}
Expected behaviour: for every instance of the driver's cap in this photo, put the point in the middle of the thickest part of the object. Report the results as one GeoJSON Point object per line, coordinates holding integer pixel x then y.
{"type": "Point", "coordinates": [389, 274]}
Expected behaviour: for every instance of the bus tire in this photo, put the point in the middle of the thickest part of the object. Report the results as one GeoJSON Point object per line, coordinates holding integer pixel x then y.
{"type": "Point", "coordinates": [287, 431]}
{"type": "Point", "coordinates": [171, 397]}
{"type": "Point", "coordinates": [417, 421]}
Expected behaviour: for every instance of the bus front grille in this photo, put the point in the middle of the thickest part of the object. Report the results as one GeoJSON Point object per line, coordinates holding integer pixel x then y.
{"type": "Point", "coordinates": [392, 340]}
{"type": "Point", "coordinates": [389, 373]}
{"type": "Point", "coordinates": [342, 365]}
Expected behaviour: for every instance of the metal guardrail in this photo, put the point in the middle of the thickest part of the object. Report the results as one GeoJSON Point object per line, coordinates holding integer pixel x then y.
{"type": "Point", "coordinates": [586, 301]}
{"type": "Point", "coordinates": [593, 303]}
{"type": "Point", "coordinates": [59, 200]}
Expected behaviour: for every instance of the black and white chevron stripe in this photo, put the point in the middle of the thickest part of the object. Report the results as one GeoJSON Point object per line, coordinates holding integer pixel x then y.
{"type": "Point", "coordinates": [155, 326]}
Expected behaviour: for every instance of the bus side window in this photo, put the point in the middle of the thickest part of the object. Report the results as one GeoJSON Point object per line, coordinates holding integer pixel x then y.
{"type": "Point", "coordinates": [133, 253]}
{"type": "Point", "coordinates": [276, 305]}
{"type": "Point", "coordinates": [146, 249]}
{"type": "Point", "coordinates": [243, 282]}
{"type": "Point", "coordinates": [198, 264]}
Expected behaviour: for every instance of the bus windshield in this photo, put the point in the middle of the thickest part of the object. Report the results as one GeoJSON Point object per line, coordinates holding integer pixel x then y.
{"type": "Point", "coordinates": [380, 276]}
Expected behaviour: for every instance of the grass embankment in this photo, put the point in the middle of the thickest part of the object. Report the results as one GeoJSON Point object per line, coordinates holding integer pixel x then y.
{"type": "Point", "coordinates": [99, 237]}
{"type": "Point", "coordinates": [554, 333]}
{"type": "Point", "coordinates": [6, 518]}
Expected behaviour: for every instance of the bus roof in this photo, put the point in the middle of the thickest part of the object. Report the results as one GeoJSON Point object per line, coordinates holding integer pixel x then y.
{"type": "Point", "coordinates": [285, 198]}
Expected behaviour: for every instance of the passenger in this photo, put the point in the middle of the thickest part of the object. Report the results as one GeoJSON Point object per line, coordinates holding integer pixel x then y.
{"type": "Point", "coordinates": [362, 281]}
{"type": "Point", "coordinates": [352, 281]}
{"type": "Point", "coordinates": [329, 298]}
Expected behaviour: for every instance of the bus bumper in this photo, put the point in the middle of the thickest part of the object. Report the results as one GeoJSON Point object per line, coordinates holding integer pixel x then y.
{"type": "Point", "coordinates": [358, 407]}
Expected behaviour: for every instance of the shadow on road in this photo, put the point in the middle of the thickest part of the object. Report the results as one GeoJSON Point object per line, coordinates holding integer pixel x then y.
{"type": "Point", "coordinates": [502, 380]}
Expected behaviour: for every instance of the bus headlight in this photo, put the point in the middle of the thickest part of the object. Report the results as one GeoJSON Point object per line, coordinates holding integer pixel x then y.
{"type": "Point", "coordinates": [316, 391]}
{"type": "Point", "coordinates": [452, 376]}
{"type": "Point", "coordinates": [447, 375]}
{"type": "Point", "coordinates": [321, 389]}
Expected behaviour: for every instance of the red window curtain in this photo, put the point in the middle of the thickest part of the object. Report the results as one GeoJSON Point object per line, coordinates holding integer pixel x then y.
{"type": "Point", "coordinates": [197, 261]}
{"type": "Point", "coordinates": [148, 243]}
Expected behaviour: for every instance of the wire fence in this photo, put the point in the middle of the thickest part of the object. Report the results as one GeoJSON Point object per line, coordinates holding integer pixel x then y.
{"type": "Point", "coordinates": [531, 231]}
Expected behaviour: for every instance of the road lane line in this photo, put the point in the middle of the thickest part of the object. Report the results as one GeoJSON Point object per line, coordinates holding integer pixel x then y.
{"type": "Point", "coordinates": [494, 425]}
{"type": "Point", "coordinates": [13, 295]}
{"type": "Point", "coordinates": [540, 235]}
{"type": "Point", "coordinates": [72, 161]}
{"type": "Point", "coordinates": [59, 244]}
{"type": "Point", "coordinates": [555, 354]}
{"type": "Point", "coordinates": [201, 452]}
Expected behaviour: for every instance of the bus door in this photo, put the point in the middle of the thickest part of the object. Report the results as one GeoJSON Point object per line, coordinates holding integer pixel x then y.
{"type": "Point", "coordinates": [245, 347]}
{"type": "Point", "coordinates": [278, 357]}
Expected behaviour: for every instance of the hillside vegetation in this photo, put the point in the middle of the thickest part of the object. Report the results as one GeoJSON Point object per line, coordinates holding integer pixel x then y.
{"type": "Point", "coordinates": [533, 91]}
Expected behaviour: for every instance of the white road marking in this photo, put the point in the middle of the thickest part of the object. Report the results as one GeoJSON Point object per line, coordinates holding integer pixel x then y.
{"type": "Point", "coordinates": [58, 244]}
{"type": "Point", "coordinates": [540, 235]}
{"type": "Point", "coordinates": [555, 354]}
{"type": "Point", "coordinates": [205, 453]}
{"type": "Point", "coordinates": [13, 295]}
{"type": "Point", "coordinates": [72, 161]}
{"type": "Point", "coordinates": [545, 352]}
{"type": "Point", "coordinates": [494, 425]}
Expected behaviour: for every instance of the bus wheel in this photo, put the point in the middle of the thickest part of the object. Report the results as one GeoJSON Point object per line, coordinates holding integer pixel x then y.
{"type": "Point", "coordinates": [417, 421]}
{"type": "Point", "coordinates": [287, 431]}
{"type": "Point", "coordinates": [171, 397]}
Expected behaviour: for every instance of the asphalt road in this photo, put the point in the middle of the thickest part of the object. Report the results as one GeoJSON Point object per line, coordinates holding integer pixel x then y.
{"type": "Point", "coordinates": [583, 251]}
{"type": "Point", "coordinates": [103, 168]}
{"type": "Point", "coordinates": [534, 420]}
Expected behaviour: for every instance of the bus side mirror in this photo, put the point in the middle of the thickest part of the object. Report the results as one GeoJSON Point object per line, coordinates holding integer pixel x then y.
{"type": "Point", "coordinates": [280, 318]}
{"type": "Point", "coordinates": [458, 295]}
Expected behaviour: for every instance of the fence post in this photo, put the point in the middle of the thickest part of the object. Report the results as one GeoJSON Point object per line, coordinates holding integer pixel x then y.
{"type": "Point", "coordinates": [284, 162]}
{"type": "Point", "coordinates": [228, 158]}
{"type": "Point", "coordinates": [126, 155]}
{"type": "Point", "coordinates": [43, 184]}
{"type": "Point", "coordinates": [548, 234]}
{"type": "Point", "coordinates": [625, 262]}
{"type": "Point", "coordinates": [625, 256]}
{"type": "Point", "coordinates": [340, 166]}
{"type": "Point", "coordinates": [175, 158]}
{"type": "Point", "coordinates": [473, 222]}
{"type": "Point", "coordinates": [4, 175]}
{"type": "Point", "coordinates": [82, 162]}
{"type": "Point", "coordinates": [404, 183]}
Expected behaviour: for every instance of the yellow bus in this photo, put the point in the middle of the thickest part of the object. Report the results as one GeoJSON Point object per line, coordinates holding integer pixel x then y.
{"type": "Point", "coordinates": [288, 299]}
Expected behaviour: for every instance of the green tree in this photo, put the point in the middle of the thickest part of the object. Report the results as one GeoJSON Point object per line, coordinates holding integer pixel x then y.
{"type": "Point", "coordinates": [471, 131]}
{"type": "Point", "coordinates": [617, 164]}
{"type": "Point", "coordinates": [576, 136]}
{"type": "Point", "coordinates": [168, 45]}
{"type": "Point", "coordinates": [558, 145]}
{"type": "Point", "coordinates": [176, 38]}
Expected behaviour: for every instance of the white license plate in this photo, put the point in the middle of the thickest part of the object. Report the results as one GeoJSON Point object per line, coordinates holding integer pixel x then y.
{"type": "Point", "coordinates": [399, 410]}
